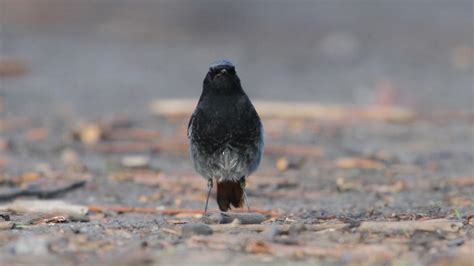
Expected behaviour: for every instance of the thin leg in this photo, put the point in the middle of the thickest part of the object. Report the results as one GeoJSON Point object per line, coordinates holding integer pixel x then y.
{"type": "Point", "coordinates": [209, 185]}
{"type": "Point", "coordinates": [246, 201]}
{"type": "Point", "coordinates": [242, 184]}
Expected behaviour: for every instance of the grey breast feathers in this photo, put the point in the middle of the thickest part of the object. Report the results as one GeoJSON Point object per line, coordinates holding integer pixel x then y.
{"type": "Point", "coordinates": [228, 164]}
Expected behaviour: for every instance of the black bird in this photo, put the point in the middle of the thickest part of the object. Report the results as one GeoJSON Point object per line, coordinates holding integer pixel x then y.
{"type": "Point", "coordinates": [226, 136]}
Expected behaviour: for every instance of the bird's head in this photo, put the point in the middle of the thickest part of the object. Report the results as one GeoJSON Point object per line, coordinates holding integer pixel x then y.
{"type": "Point", "coordinates": [222, 78]}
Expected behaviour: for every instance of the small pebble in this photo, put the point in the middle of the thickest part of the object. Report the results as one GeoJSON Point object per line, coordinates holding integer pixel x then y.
{"type": "Point", "coordinates": [196, 229]}
{"type": "Point", "coordinates": [31, 246]}
{"type": "Point", "coordinates": [456, 242]}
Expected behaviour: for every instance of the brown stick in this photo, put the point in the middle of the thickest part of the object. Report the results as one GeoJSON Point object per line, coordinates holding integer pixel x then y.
{"type": "Point", "coordinates": [291, 110]}
{"type": "Point", "coordinates": [374, 227]}
{"type": "Point", "coordinates": [170, 211]}
{"type": "Point", "coordinates": [41, 193]}
{"type": "Point", "coordinates": [410, 226]}
{"type": "Point", "coordinates": [282, 227]}
{"type": "Point", "coordinates": [127, 209]}
{"type": "Point", "coordinates": [57, 207]}
{"type": "Point", "coordinates": [264, 212]}
{"type": "Point", "coordinates": [184, 107]}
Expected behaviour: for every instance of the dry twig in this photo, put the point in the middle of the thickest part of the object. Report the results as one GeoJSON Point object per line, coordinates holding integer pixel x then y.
{"type": "Point", "coordinates": [168, 211]}
{"type": "Point", "coordinates": [292, 110]}
{"type": "Point", "coordinates": [33, 191]}
{"type": "Point", "coordinates": [410, 226]}
{"type": "Point", "coordinates": [282, 227]}
{"type": "Point", "coordinates": [46, 207]}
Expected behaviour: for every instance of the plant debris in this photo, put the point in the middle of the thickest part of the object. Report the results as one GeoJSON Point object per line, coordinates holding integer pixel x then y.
{"type": "Point", "coordinates": [35, 190]}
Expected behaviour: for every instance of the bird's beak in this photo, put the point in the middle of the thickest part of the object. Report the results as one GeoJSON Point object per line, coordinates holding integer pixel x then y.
{"type": "Point", "coordinates": [223, 72]}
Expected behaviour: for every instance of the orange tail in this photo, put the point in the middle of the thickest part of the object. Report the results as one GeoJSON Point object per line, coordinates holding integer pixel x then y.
{"type": "Point", "coordinates": [229, 192]}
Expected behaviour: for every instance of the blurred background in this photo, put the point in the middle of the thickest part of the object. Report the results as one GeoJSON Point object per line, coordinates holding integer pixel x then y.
{"type": "Point", "coordinates": [91, 58]}
{"type": "Point", "coordinates": [387, 134]}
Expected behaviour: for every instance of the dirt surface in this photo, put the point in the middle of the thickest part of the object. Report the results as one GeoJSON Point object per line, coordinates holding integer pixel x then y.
{"type": "Point", "coordinates": [363, 184]}
{"type": "Point", "coordinates": [360, 170]}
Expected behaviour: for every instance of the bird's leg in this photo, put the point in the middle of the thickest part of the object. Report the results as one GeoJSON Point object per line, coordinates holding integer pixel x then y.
{"type": "Point", "coordinates": [246, 201]}
{"type": "Point", "coordinates": [242, 184]}
{"type": "Point", "coordinates": [209, 185]}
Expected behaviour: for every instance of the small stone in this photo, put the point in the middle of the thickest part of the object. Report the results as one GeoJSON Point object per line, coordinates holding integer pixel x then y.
{"type": "Point", "coordinates": [196, 229]}
{"type": "Point", "coordinates": [456, 242]}
{"type": "Point", "coordinates": [211, 218]}
{"type": "Point", "coordinates": [5, 216]}
{"type": "Point", "coordinates": [273, 232]}
{"type": "Point", "coordinates": [296, 228]}
{"type": "Point", "coordinates": [31, 246]}
{"type": "Point", "coordinates": [243, 218]}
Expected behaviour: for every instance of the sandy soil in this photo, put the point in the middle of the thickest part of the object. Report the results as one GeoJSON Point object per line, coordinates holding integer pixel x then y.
{"type": "Point", "coordinates": [362, 188]}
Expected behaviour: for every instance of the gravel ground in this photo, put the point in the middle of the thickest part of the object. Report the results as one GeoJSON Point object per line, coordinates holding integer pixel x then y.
{"type": "Point", "coordinates": [74, 106]}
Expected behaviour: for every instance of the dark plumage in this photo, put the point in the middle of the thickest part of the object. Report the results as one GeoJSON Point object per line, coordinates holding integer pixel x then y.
{"type": "Point", "coordinates": [226, 135]}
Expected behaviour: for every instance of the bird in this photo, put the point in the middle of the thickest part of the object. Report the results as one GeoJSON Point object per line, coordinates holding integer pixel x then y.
{"type": "Point", "coordinates": [225, 135]}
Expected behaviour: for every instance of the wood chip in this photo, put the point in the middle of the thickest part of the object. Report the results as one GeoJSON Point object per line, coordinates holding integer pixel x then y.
{"type": "Point", "coordinates": [173, 221]}
{"type": "Point", "coordinates": [361, 163]}
{"type": "Point", "coordinates": [90, 133]}
{"type": "Point", "coordinates": [12, 67]}
{"type": "Point", "coordinates": [54, 219]}
{"type": "Point", "coordinates": [259, 247]}
{"type": "Point", "coordinates": [135, 161]}
{"type": "Point", "coordinates": [294, 162]}
{"type": "Point", "coordinates": [26, 178]}
{"type": "Point", "coordinates": [6, 225]}
{"type": "Point", "coordinates": [36, 134]}
{"type": "Point", "coordinates": [282, 164]}
{"type": "Point", "coordinates": [462, 181]}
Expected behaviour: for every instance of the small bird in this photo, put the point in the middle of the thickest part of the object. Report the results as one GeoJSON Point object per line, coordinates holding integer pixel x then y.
{"type": "Point", "coordinates": [225, 135]}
